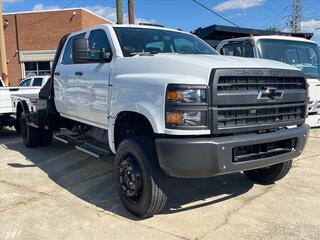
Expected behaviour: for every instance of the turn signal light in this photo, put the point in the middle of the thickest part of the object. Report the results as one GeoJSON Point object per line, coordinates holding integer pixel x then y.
{"type": "Point", "coordinates": [174, 118]}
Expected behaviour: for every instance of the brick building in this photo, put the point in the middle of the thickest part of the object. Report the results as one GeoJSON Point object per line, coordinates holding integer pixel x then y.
{"type": "Point", "coordinates": [32, 37]}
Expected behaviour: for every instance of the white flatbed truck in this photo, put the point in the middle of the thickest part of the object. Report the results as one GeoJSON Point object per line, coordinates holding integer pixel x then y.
{"type": "Point", "coordinates": [167, 105]}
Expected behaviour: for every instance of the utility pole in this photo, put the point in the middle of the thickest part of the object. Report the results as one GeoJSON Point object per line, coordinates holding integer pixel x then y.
{"type": "Point", "coordinates": [295, 19]}
{"type": "Point", "coordinates": [131, 11]}
{"type": "Point", "coordinates": [119, 12]}
{"type": "Point", "coordinates": [3, 53]}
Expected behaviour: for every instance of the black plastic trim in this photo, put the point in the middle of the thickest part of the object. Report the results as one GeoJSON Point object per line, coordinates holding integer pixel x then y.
{"type": "Point", "coordinates": [211, 156]}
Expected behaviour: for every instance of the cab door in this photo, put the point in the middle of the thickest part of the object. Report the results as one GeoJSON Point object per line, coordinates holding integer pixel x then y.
{"type": "Point", "coordinates": [94, 81]}
{"type": "Point", "coordinates": [65, 80]}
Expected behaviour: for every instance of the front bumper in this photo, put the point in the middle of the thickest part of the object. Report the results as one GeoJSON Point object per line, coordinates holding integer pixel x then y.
{"type": "Point", "coordinates": [206, 157]}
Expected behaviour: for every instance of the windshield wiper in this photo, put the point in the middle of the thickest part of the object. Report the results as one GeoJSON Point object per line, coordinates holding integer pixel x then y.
{"type": "Point", "coordinates": [143, 53]}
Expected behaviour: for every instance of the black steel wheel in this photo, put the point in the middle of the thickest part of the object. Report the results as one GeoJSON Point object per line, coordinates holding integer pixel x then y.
{"type": "Point", "coordinates": [141, 184]}
{"type": "Point", "coordinates": [130, 177]}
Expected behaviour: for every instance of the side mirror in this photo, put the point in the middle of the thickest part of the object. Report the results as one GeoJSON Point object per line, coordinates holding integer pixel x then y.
{"type": "Point", "coordinates": [80, 50]}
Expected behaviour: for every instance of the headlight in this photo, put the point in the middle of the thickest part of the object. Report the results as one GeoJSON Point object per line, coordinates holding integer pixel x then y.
{"type": "Point", "coordinates": [186, 119]}
{"type": "Point", "coordinates": [186, 95]}
{"type": "Point", "coordinates": [186, 107]}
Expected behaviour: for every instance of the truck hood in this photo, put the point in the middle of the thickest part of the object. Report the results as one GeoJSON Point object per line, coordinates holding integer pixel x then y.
{"type": "Point", "coordinates": [219, 61]}
{"type": "Point", "coordinates": [184, 69]}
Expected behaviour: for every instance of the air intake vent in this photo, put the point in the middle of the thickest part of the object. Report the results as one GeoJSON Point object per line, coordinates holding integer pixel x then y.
{"type": "Point", "coordinates": [246, 116]}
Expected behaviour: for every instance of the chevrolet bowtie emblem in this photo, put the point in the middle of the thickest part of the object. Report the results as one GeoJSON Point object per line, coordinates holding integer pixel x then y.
{"type": "Point", "coordinates": [270, 93]}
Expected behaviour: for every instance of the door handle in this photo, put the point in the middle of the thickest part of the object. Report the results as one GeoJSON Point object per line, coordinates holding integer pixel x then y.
{"type": "Point", "coordinates": [78, 73]}
{"type": "Point", "coordinates": [56, 74]}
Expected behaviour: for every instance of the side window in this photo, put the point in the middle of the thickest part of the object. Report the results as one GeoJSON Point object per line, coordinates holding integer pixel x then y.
{"type": "Point", "coordinates": [25, 83]}
{"type": "Point", "coordinates": [98, 41]}
{"type": "Point", "coordinates": [67, 55]}
{"type": "Point", "coordinates": [37, 82]}
{"type": "Point", "coordinates": [248, 49]}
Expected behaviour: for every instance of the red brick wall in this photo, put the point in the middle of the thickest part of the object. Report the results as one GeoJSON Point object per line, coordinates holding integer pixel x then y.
{"type": "Point", "coordinates": [41, 31]}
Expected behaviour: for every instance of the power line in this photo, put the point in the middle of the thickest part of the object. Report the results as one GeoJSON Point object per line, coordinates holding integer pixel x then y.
{"type": "Point", "coordinates": [217, 14]}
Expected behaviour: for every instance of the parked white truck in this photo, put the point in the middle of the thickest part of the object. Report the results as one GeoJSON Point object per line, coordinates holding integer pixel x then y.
{"type": "Point", "coordinates": [300, 52]}
{"type": "Point", "coordinates": [9, 116]}
{"type": "Point", "coordinates": [167, 104]}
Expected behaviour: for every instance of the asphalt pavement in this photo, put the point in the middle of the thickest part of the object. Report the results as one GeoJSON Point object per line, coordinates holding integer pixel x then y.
{"type": "Point", "coordinates": [57, 192]}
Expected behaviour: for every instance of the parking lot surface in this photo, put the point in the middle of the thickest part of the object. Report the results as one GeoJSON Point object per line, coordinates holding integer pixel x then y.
{"type": "Point", "coordinates": [57, 192]}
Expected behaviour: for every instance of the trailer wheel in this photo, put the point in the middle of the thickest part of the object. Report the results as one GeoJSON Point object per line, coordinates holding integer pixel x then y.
{"type": "Point", "coordinates": [30, 135]}
{"type": "Point", "coordinates": [140, 182]}
{"type": "Point", "coordinates": [270, 174]}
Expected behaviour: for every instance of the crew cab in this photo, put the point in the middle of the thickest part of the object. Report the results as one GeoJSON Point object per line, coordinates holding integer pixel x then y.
{"type": "Point", "coordinates": [168, 105]}
{"type": "Point", "coordinates": [299, 52]}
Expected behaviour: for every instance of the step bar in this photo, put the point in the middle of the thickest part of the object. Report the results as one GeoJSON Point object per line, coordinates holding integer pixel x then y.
{"type": "Point", "coordinates": [90, 148]}
{"type": "Point", "coordinates": [93, 150]}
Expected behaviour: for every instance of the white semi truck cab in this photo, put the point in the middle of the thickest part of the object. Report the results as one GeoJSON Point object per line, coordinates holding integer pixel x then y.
{"type": "Point", "coordinates": [296, 51]}
{"type": "Point", "coordinates": [167, 105]}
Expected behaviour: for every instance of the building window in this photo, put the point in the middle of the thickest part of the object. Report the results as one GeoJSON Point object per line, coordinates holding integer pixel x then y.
{"type": "Point", "coordinates": [37, 68]}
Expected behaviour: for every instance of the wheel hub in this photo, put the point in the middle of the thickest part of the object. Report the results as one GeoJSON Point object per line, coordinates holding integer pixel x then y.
{"type": "Point", "coordinates": [130, 179]}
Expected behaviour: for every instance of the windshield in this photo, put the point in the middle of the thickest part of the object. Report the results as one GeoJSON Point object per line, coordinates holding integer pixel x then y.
{"type": "Point", "coordinates": [303, 55]}
{"type": "Point", "coordinates": [139, 40]}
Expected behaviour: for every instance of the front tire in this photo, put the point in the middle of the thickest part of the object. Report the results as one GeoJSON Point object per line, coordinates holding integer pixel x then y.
{"type": "Point", "coordinates": [30, 135]}
{"type": "Point", "coordinates": [270, 174]}
{"type": "Point", "coordinates": [140, 182]}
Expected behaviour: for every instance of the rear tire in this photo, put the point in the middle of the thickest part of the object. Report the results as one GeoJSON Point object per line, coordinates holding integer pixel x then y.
{"type": "Point", "coordinates": [30, 135]}
{"type": "Point", "coordinates": [17, 126]}
{"type": "Point", "coordinates": [45, 137]}
{"type": "Point", "coordinates": [270, 174]}
{"type": "Point", "coordinates": [140, 182]}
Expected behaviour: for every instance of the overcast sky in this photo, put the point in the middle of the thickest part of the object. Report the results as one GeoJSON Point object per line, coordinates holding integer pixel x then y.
{"type": "Point", "coordinates": [186, 15]}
